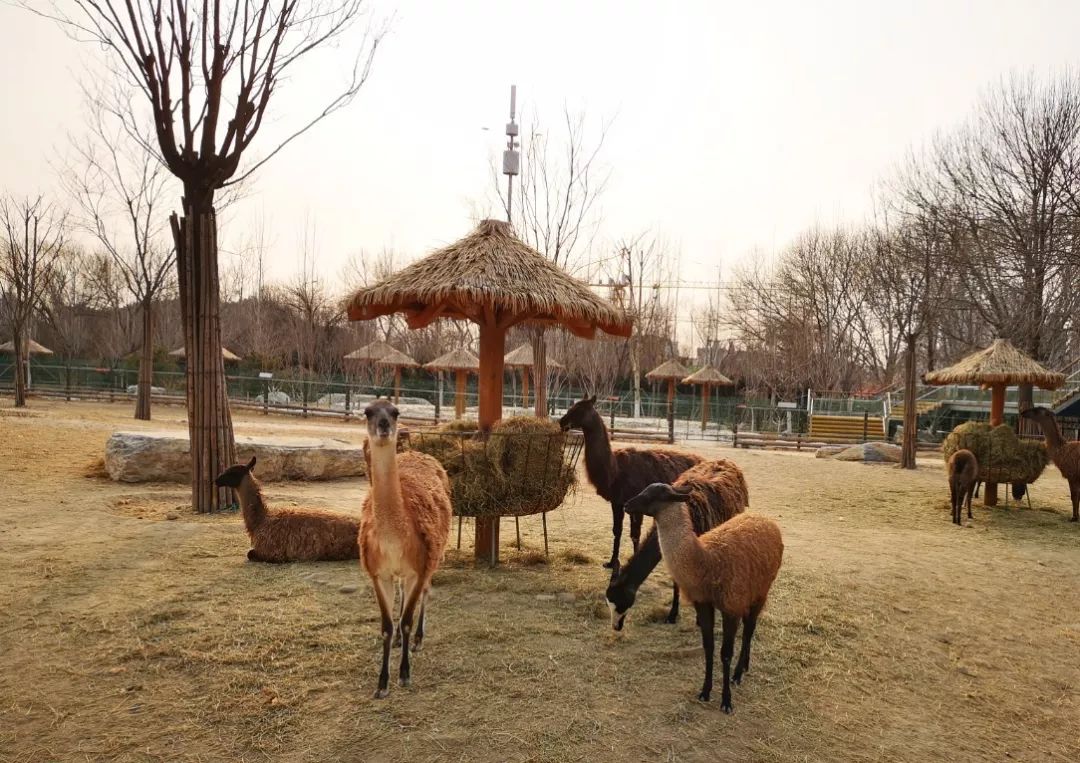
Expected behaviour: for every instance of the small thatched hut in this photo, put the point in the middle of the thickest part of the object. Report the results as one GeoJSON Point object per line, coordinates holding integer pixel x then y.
{"type": "Point", "coordinates": [396, 360]}
{"type": "Point", "coordinates": [707, 377]}
{"type": "Point", "coordinates": [462, 362]}
{"type": "Point", "coordinates": [999, 366]}
{"type": "Point", "coordinates": [228, 355]}
{"type": "Point", "coordinates": [369, 353]}
{"type": "Point", "coordinates": [522, 358]}
{"type": "Point", "coordinates": [32, 348]}
{"type": "Point", "coordinates": [671, 371]}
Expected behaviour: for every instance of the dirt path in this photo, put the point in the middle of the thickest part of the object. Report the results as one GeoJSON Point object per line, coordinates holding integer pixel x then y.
{"type": "Point", "coordinates": [891, 635]}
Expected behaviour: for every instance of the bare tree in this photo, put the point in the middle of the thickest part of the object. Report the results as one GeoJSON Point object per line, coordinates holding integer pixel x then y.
{"type": "Point", "coordinates": [119, 191]}
{"type": "Point", "coordinates": [207, 71]}
{"type": "Point", "coordinates": [34, 237]}
{"type": "Point", "coordinates": [555, 206]}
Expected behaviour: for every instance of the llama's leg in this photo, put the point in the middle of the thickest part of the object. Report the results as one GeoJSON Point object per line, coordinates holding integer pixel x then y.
{"type": "Point", "coordinates": [617, 515]}
{"type": "Point", "coordinates": [418, 642]}
{"type": "Point", "coordinates": [727, 649]}
{"type": "Point", "coordinates": [978, 484]}
{"type": "Point", "coordinates": [1074, 493]}
{"type": "Point", "coordinates": [969, 491]}
{"type": "Point", "coordinates": [415, 589]}
{"type": "Point", "coordinates": [673, 614]}
{"type": "Point", "coordinates": [400, 594]}
{"type": "Point", "coordinates": [635, 529]}
{"type": "Point", "coordinates": [952, 502]}
{"type": "Point", "coordinates": [253, 556]}
{"type": "Point", "coordinates": [706, 616]}
{"type": "Point", "coordinates": [749, 623]}
{"type": "Point", "coordinates": [384, 593]}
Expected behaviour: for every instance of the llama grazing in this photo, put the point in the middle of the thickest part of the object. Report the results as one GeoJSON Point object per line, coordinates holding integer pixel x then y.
{"type": "Point", "coordinates": [963, 470]}
{"type": "Point", "coordinates": [1065, 455]}
{"type": "Point", "coordinates": [730, 568]}
{"type": "Point", "coordinates": [618, 475]}
{"type": "Point", "coordinates": [288, 535]}
{"type": "Point", "coordinates": [718, 492]}
{"type": "Point", "coordinates": [404, 527]}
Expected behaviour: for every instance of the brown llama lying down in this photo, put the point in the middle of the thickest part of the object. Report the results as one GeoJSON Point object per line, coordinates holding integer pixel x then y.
{"type": "Point", "coordinates": [730, 568]}
{"type": "Point", "coordinates": [289, 535]}
{"type": "Point", "coordinates": [963, 470]}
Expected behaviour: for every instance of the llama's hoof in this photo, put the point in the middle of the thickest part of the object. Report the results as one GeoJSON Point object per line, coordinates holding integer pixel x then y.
{"type": "Point", "coordinates": [610, 565]}
{"type": "Point", "coordinates": [737, 677]}
{"type": "Point", "coordinates": [252, 556]}
{"type": "Point", "coordinates": [405, 681]}
{"type": "Point", "coordinates": [671, 619]}
{"type": "Point", "coordinates": [726, 706]}
{"type": "Point", "coordinates": [417, 646]}
{"type": "Point", "coordinates": [381, 694]}
{"type": "Point", "coordinates": [703, 696]}
{"type": "Point", "coordinates": [1074, 519]}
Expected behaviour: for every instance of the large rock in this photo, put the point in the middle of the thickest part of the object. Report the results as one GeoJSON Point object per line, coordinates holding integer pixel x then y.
{"type": "Point", "coordinates": [164, 457]}
{"type": "Point", "coordinates": [828, 451]}
{"type": "Point", "coordinates": [871, 452]}
{"type": "Point", "coordinates": [133, 389]}
{"type": "Point", "coordinates": [275, 397]}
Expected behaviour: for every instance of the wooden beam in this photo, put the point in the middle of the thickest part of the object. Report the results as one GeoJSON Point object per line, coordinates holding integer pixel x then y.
{"type": "Point", "coordinates": [997, 417]}
{"type": "Point", "coordinates": [459, 397]}
{"type": "Point", "coordinates": [492, 350]}
{"type": "Point", "coordinates": [426, 316]}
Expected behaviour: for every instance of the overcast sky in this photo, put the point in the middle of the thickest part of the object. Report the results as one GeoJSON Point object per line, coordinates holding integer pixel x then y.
{"type": "Point", "coordinates": [736, 125]}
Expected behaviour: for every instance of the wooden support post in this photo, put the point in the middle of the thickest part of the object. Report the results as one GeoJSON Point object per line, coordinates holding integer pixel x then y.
{"type": "Point", "coordinates": [670, 424]}
{"type": "Point", "coordinates": [997, 417]}
{"type": "Point", "coordinates": [492, 350]}
{"type": "Point", "coordinates": [459, 394]}
{"type": "Point", "coordinates": [670, 392]}
{"type": "Point", "coordinates": [704, 406]}
{"type": "Point", "coordinates": [524, 386]}
{"type": "Point", "coordinates": [397, 384]}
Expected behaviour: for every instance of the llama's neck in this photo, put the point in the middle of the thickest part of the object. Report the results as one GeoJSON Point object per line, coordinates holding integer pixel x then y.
{"type": "Point", "coordinates": [1054, 440]}
{"type": "Point", "coordinates": [641, 564]}
{"type": "Point", "coordinates": [599, 460]}
{"type": "Point", "coordinates": [252, 506]}
{"type": "Point", "coordinates": [385, 484]}
{"type": "Point", "coordinates": [679, 544]}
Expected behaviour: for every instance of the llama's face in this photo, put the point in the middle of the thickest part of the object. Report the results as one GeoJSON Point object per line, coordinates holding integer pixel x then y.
{"type": "Point", "coordinates": [234, 475]}
{"type": "Point", "coordinates": [382, 416]}
{"type": "Point", "coordinates": [1038, 414]}
{"type": "Point", "coordinates": [655, 497]}
{"type": "Point", "coordinates": [579, 411]}
{"type": "Point", "coordinates": [619, 601]}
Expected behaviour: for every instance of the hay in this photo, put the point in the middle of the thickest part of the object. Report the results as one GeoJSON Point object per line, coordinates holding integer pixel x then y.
{"type": "Point", "coordinates": [519, 470]}
{"type": "Point", "coordinates": [1003, 457]}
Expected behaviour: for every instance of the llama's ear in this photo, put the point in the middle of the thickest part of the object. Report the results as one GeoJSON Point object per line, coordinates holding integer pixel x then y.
{"type": "Point", "coordinates": [251, 464]}
{"type": "Point", "coordinates": [682, 492]}
{"type": "Point", "coordinates": [591, 400]}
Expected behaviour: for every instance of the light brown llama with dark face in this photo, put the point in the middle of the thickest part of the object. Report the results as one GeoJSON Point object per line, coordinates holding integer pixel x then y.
{"type": "Point", "coordinates": [404, 527]}
{"type": "Point", "coordinates": [1064, 454]}
{"type": "Point", "coordinates": [288, 535]}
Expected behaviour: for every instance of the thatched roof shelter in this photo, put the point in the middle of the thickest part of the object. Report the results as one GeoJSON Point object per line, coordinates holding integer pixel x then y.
{"type": "Point", "coordinates": [522, 357]}
{"type": "Point", "coordinates": [673, 372]}
{"type": "Point", "coordinates": [462, 362]}
{"type": "Point", "coordinates": [32, 348]}
{"type": "Point", "coordinates": [397, 360]}
{"type": "Point", "coordinates": [226, 354]}
{"type": "Point", "coordinates": [496, 280]}
{"type": "Point", "coordinates": [999, 366]}
{"type": "Point", "coordinates": [370, 352]}
{"type": "Point", "coordinates": [707, 377]}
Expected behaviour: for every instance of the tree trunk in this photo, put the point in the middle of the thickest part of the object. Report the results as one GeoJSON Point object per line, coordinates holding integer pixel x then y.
{"type": "Point", "coordinates": [209, 422]}
{"type": "Point", "coordinates": [146, 363]}
{"type": "Point", "coordinates": [20, 346]}
{"type": "Point", "coordinates": [635, 376]}
{"type": "Point", "coordinates": [539, 372]}
{"type": "Point", "coordinates": [911, 412]}
{"type": "Point", "coordinates": [1026, 400]}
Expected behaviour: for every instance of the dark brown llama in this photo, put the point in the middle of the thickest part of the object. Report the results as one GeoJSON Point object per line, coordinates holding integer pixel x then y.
{"type": "Point", "coordinates": [963, 470]}
{"type": "Point", "coordinates": [289, 535]}
{"type": "Point", "coordinates": [618, 475]}
{"type": "Point", "coordinates": [1064, 454]}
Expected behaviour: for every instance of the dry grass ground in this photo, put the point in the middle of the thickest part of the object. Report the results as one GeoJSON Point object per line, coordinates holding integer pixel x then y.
{"type": "Point", "coordinates": [890, 635]}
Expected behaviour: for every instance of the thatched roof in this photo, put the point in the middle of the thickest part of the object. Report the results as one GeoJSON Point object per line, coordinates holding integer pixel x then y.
{"type": "Point", "coordinates": [455, 360]}
{"type": "Point", "coordinates": [1000, 363]}
{"type": "Point", "coordinates": [490, 275]}
{"type": "Point", "coordinates": [522, 357]}
{"type": "Point", "coordinates": [370, 352]}
{"type": "Point", "coordinates": [671, 369]}
{"type": "Point", "coordinates": [225, 353]}
{"type": "Point", "coordinates": [396, 358]}
{"type": "Point", "coordinates": [33, 348]}
{"type": "Point", "coordinates": [708, 375]}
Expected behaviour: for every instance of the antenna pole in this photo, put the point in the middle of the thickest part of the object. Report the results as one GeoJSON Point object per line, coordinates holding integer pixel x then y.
{"type": "Point", "coordinates": [511, 158]}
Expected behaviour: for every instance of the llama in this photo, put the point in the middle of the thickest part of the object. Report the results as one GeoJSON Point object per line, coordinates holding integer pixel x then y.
{"type": "Point", "coordinates": [963, 470]}
{"type": "Point", "coordinates": [288, 535]}
{"type": "Point", "coordinates": [719, 492]}
{"type": "Point", "coordinates": [404, 527]}
{"type": "Point", "coordinates": [730, 568]}
{"type": "Point", "coordinates": [1064, 454]}
{"type": "Point", "coordinates": [618, 475]}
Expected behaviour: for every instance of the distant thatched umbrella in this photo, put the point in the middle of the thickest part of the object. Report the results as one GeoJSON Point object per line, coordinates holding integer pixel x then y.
{"type": "Point", "coordinates": [226, 354]}
{"type": "Point", "coordinates": [522, 358]}
{"type": "Point", "coordinates": [397, 360]}
{"type": "Point", "coordinates": [32, 348]}
{"type": "Point", "coordinates": [462, 362]}
{"type": "Point", "coordinates": [496, 280]}
{"type": "Point", "coordinates": [673, 372]}
{"type": "Point", "coordinates": [999, 366]}
{"type": "Point", "coordinates": [708, 377]}
{"type": "Point", "coordinates": [369, 353]}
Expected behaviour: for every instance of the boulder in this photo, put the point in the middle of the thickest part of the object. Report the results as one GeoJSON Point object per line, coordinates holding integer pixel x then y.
{"type": "Point", "coordinates": [275, 397]}
{"type": "Point", "coordinates": [828, 451]}
{"type": "Point", "coordinates": [871, 452]}
{"type": "Point", "coordinates": [164, 457]}
{"type": "Point", "coordinates": [134, 388]}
